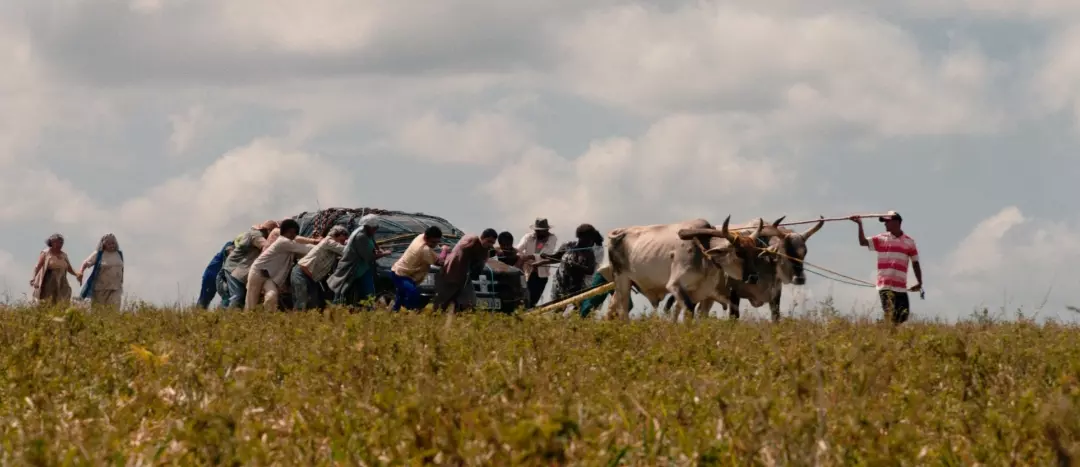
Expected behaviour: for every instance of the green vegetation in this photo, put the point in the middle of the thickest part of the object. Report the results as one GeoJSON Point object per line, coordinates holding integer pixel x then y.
{"type": "Point", "coordinates": [376, 388]}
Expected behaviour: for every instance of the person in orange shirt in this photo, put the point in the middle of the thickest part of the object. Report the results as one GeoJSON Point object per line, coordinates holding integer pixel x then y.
{"type": "Point", "coordinates": [413, 266]}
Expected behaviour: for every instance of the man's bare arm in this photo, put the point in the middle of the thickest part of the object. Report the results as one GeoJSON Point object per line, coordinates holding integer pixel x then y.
{"type": "Point", "coordinates": [918, 273]}
{"type": "Point", "coordinates": [862, 234]}
{"type": "Point", "coordinates": [306, 240]}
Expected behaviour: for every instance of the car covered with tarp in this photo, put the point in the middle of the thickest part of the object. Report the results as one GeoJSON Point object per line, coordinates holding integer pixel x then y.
{"type": "Point", "coordinates": [498, 286]}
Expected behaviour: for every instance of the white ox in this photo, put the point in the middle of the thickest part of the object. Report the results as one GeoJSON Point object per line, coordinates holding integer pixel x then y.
{"type": "Point", "coordinates": [779, 263]}
{"type": "Point", "coordinates": [658, 261]}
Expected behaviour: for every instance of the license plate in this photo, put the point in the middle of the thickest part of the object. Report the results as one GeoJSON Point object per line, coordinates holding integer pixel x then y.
{"type": "Point", "coordinates": [489, 303]}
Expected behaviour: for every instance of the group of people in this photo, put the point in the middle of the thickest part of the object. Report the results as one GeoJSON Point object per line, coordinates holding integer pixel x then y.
{"type": "Point", "coordinates": [258, 265]}
{"type": "Point", "coordinates": [269, 258]}
{"type": "Point", "coordinates": [104, 287]}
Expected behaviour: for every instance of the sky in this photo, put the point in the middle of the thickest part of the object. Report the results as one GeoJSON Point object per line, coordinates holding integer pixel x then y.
{"type": "Point", "coordinates": [178, 124]}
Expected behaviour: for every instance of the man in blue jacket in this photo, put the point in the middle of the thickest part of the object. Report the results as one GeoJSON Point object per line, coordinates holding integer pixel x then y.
{"type": "Point", "coordinates": [210, 279]}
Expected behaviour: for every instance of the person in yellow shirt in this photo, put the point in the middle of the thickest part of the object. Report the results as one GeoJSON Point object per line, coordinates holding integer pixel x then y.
{"type": "Point", "coordinates": [413, 267]}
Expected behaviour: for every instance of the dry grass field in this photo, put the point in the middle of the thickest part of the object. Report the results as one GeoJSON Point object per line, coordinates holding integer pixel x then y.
{"type": "Point", "coordinates": [375, 388]}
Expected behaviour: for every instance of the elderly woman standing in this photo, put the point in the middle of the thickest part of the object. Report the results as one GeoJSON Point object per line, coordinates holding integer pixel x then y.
{"type": "Point", "coordinates": [105, 285]}
{"type": "Point", "coordinates": [50, 275]}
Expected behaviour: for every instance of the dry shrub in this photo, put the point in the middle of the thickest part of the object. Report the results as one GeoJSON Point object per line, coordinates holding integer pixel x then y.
{"type": "Point", "coordinates": [379, 388]}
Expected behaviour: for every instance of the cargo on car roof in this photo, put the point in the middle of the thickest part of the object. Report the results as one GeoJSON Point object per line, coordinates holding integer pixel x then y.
{"type": "Point", "coordinates": [498, 286]}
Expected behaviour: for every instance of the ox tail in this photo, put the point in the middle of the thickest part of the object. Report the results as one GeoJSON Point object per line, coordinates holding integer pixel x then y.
{"type": "Point", "coordinates": [618, 257]}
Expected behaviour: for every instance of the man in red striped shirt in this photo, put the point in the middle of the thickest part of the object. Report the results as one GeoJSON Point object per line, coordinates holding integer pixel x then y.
{"type": "Point", "coordinates": [894, 249]}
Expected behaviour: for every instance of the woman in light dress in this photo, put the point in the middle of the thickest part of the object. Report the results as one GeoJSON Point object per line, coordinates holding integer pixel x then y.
{"type": "Point", "coordinates": [50, 275]}
{"type": "Point", "coordinates": [105, 286]}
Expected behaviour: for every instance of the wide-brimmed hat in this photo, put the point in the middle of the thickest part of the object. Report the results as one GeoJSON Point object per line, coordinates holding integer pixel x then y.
{"type": "Point", "coordinates": [540, 224]}
{"type": "Point", "coordinates": [891, 215]}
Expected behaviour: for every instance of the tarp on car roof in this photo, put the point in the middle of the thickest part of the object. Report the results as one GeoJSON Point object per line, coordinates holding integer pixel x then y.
{"type": "Point", "coordinates": [396, 228]}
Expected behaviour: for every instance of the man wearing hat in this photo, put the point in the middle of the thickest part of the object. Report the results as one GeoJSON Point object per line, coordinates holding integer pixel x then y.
{"type": "Point", "coordinates": [532, 245]}
{"type": "Point", "coordinates": [894, 249]}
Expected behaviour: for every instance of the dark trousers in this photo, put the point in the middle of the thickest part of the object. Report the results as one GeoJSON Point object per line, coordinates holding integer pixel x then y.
{"type": "Point", "coordinates": [360, 289]}
{"type": "Point", "coordinates": [896, 305]}
{"type": "Point", "coordinates": [405, 293]}
{"type": "Point", "coordinates": [536, 285]}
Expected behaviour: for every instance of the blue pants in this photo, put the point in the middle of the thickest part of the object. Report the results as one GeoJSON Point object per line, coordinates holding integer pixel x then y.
{"type": "Point", "coordinates": [214, 284]}
{"type": "Point", "coordinates": [305, 291]}
{"type": "Point", "coordinates": [237, 291]}
{"type": "Point", "coordinates": [209, 288]}
{"type": "Point", "coordinates": [406, 293]}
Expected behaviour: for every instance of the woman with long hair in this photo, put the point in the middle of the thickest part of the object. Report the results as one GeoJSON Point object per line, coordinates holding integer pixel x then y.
{"type": "Point", "coordinates": [50, 275]}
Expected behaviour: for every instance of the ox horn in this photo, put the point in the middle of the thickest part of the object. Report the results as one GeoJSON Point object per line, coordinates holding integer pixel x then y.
{"type": "Point", "coordinates": [724, 229]}
{"type": "Point", "coordinates": [777, 222]}
{"type": "Point", "coordinates": [761, 225]}
{"type": "Point", "coordinates": [813, 230]}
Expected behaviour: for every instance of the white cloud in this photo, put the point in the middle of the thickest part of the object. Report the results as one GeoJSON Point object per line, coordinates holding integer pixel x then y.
{"type": "Point", "coordinates": [1057, 82]}
{"type": "Point", "coordinates": [981, 251]}
{"type": "Point", "coordinates": [834, 67]}
{"type": "Point", "coordinates": [682, 167]}
{"type": "Point", "coordinates": [175, 228]}
{"type": "Point", "coordinates": [707, 109]}
{"type": "Point", "coordinates": [39, 195]}
{"type": "Point", "coordinates": [1012, 261]}
{"type": "Point", "coordinates": [188, 126]}
{"type": "Point", "coordinates": [482, 138]}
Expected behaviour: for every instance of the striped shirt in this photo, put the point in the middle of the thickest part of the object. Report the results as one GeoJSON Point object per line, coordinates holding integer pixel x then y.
{"type": "Point", "coordinates": [893, 256]}
{"type": "Point", "coordinates": [320, 260]}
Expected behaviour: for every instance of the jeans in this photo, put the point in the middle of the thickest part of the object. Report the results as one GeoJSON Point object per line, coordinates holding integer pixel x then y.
{"type": "Point", "coordinates": [237, 291]}
{"type": "Point", "coordinates": [221, 285]}
{"type": "Point", "coordinates": [306, 292]}
{"type": "Point", "coordinates": [406, 293]}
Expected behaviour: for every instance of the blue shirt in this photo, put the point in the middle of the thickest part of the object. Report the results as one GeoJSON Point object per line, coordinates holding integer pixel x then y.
{"type": "Point", "coordinates": [215, 264]}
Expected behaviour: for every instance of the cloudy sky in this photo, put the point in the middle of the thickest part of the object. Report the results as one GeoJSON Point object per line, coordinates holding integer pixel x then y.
{"type": "Point", "coordinates": [177, 124]}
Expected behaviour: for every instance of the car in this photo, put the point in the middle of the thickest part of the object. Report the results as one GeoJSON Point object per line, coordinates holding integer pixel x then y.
{"type": "Point", "coordinates": [499, 287]}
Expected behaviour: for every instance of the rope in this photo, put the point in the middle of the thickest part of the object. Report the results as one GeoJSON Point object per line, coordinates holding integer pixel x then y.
{"type": "Point", "coordinates": [842, 281]}
{"type": "Point", "coordinates": [853, 281]}
{"type": "Point", "coordinates": [830, 271]}
{"type": "Point", "coordinates": [814, 221]}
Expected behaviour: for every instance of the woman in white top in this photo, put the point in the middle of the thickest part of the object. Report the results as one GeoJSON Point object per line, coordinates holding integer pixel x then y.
{"type": "Point", "coordinates": [105, 286]}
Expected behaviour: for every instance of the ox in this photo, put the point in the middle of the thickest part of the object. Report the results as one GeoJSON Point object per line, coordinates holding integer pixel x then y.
{"type": "Point", "coordinates": [778, 262]}
{"type": "Point", "coordinates": [673, 258]}
{"type": "Point", "coordinates": [757, 284]}
{"type": "Point", "coordinates": [786, 250]}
